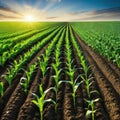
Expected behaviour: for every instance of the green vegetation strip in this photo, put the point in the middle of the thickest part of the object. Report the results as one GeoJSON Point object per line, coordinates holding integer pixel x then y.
{"type": "Point", "coordinates": [23, 45]}
{"type": "Point", "coordinates": [6, 36]}
{"type": "Point", "coordinates": [104, 37]}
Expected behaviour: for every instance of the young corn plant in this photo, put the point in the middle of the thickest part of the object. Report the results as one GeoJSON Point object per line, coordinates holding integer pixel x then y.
{"type": "Point", "coordinates": [75, 86]}
{"type": "Point", "coordinates": [3, 58]}
{"type": "Point", "coordinates": [88, 82]}
{"type": "Point", "coordinates": [43, 64]}
{"type": "Point", "coordinates": [10, 75]}
{"type": "Point", "coordinates": [16, 65]}
{"type": "Point", "coordinates": [1, 89]}
{"type": "Point", "coordinates": [56, 78]}
{"type": "Point", "coordinates": [57, 82]}
{"type": "Point", "coordinates": [87, 79]}
{"type": "Point", "coordinates": [13, 70]}
{"type": "Point", "coordinates": [24, 81]}
{"type": "Point", "coordinates": [40, 101]}
{"type": "Point", "coordinates": [84, 76]}
{"type": "Point", "coordinates": [91, 108]}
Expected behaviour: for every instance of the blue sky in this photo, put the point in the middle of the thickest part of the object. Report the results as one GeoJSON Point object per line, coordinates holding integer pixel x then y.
{"type": "Point", "coordinates": [59, 10]}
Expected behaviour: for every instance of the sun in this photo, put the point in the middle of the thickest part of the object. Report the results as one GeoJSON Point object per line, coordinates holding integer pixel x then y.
{"type": "Point", "coordinates": [29, 18]}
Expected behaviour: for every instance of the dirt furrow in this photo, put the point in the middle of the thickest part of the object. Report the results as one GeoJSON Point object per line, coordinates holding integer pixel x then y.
{"type": "Point", "coordinates": [28, 109]}
{"type": "Point", "coordinates": [69, 113]}
{"type": "Point", "coordinates": [115, 68]}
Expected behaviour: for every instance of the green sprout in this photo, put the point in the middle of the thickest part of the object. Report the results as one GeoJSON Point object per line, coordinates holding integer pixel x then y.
{"type": "Point", "coordinates": [24, 81]}
{"type": "Point", "coordinates": [40, 101]}
{"type": "Point", "coordinates": [3, 58]}
{"type": "Point", "coordinates": [10, 75]}
{"type": "Point", "coordinates": [91, 108]}
{"type": "Point", "coordinates": [57, 82]}
{"type": "Point", "coordinates": [1, 89]}
{"type": "Point", "coordinates": [43, 64]}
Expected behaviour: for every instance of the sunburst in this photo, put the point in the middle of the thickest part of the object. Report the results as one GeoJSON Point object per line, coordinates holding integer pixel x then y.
{"type": "Point", "coordinates": [29, 18]}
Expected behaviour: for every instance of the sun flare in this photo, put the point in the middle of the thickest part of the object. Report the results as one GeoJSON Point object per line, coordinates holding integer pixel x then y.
{"type": "Point", "coordinates": [29, 18]}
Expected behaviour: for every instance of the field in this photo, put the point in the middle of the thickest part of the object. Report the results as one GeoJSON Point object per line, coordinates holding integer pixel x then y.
{"type": "Point", "coordinates": [60, 71]}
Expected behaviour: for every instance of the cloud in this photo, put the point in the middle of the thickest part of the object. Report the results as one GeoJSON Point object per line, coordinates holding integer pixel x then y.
{"type": "Point", "coordinates": [53, 0]}
{"type": "Point", "coordinates": [4, 17]}
{"type": "Point", "coordinates": [51, 17]}
{"type": "Point", "coordinates": [3, 9]}
{"type": "Point", "coordinates": [7, 13]}
{"type": "Point", "coordinates": [109, 10]}
{"type": "Point", "coordinates": [103, 14]}
{"type": "Point", "coordinates": [77, 12]}
{"type": "Point", "coordinates": [7, 10]}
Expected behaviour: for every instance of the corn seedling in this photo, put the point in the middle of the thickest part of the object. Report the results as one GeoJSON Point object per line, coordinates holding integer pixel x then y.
{"type": "Point", "coordinates": [88, 82]}
{"type": "Point", "coordinates": [40, 101]}
{"type": "Point", "coordinates": [56, 79]}
{"type": "Point", "coordinates": [13, 70]}
{"type": "Point", "coordinates": [24, 81]}
{"type": "Point", "coordinates": [10, 75]}
{"type": "Point", "coordinates": [1, 89]}
{"type": "Point", "coordinates": [74, 84]}
{"type": "Point", "coordinates": [3, 58]}
{"type": "Point", "coordinates": [43, 64]}
{"type": "Point", "coordinates": [91, 108]}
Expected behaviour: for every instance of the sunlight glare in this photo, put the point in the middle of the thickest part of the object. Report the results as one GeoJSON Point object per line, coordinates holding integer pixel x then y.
{"type": "Point", "coordinates": [29, 18]}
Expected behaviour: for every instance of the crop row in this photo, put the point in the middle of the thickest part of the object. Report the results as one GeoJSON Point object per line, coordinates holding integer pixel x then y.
{"type": "Point", "coordinates": [40, 100]}
{"type": "Point", "coordinates": [12, 35]}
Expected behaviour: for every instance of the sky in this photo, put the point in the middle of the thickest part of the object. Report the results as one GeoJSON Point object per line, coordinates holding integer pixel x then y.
{"type": "Point", "coordinates": [59, 10]}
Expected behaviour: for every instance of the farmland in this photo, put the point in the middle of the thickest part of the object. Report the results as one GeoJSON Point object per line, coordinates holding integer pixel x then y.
{"type": "Point", "coordinates": [60, 71]}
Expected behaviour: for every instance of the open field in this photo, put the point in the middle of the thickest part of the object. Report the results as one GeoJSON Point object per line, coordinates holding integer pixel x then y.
{"type": "Point", "coordinates": [60, 71]}
{"type": "Point", "coordinates": [16, 27]}
{"type": "Point", "coordinates": [103, 37]}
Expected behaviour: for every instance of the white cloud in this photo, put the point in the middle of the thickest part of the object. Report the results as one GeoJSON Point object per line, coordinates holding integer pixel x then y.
{"type": "Point", "coordinates": [53, 0]}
